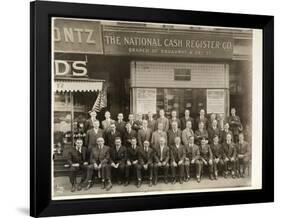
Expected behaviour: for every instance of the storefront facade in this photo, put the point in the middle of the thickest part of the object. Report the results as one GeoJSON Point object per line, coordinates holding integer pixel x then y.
{"type": "Point", "coordinates": [147, 67]}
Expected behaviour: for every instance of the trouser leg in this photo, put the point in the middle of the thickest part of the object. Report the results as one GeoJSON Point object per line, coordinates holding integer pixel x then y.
{"type": "Point", "coordinates": [198, 165]}
{"type": "Point", "coordinates": [187, 168]}
{"type": "Point", "coordinates": [173, 170]}
{"type": "Point", "coordinates": [166, 170]}
{"type": "Point", "coordinates": [138, 168]}
{"type": "Point", "coordinates": [121, 171]}
{"type": "Point", "coordinates": [127, 171]}
{"type": "Point", "coordinates": [150, 171]}
{"type": "Point", "coordinates": [73, 175]}
{"type": "Point", "coordinates": [181, 170]}
{"type": "Point", "coordinates": [155, 169]}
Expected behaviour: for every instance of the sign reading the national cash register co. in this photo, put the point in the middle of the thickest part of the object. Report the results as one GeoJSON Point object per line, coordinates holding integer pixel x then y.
{"type": "Point", "coordinates": [169, 44]}
{"type": "Point", "coordinates": [77, 36]}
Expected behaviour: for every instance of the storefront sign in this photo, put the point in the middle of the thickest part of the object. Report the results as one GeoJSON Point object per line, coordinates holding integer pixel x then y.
{"type": "Point", "coordinates": [77, 36]}
{"type": "Point", "coordinates": [167, 44]}
{"type": "Point", "coordinates": [146, 100]}
{"type": "Point", "coordinates": [215, 101]}
{"type": "Point", "coordinates": [70, 68]}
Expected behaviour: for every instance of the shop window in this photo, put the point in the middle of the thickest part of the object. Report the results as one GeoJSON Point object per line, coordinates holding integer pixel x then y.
{"type": "Point", "coordinates": [182, 74]}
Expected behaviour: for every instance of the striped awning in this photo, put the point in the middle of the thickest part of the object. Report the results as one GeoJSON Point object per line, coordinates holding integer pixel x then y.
{"type": "Point", "coordinates": [77, 85]}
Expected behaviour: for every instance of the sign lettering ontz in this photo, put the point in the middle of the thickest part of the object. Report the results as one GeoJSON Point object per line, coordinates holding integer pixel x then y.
{"type": "Point", "coordinates": [77, 36]}
{"type": "Point", "coordinates": [167, 44]}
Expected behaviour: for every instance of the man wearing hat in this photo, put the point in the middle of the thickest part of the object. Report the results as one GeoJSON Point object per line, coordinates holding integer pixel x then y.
{"type": "Point", "coordinates": [77, 161]}
{"type": "Point", "coordinates": [89, 124]}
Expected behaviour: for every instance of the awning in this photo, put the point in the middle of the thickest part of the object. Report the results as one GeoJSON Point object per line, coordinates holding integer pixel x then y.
{"type": "Point", "coordinates": [77, 85]}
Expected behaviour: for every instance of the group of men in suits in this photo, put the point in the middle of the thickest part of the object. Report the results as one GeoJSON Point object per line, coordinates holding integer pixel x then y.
{"type": "Point", "coordinates": [123, 150]}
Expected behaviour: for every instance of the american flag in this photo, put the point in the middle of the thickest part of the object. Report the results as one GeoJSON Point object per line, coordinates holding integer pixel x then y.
{"type": "Point", "coordinates": [100, 102]}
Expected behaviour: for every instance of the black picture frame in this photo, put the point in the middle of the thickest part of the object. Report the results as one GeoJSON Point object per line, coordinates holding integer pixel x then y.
{"type": "Point", "coordinates": [40, 109]}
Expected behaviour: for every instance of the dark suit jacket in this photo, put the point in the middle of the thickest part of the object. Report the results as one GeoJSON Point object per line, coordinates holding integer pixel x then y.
{"type": "Point", "coordinates": [183, 123]}
{"type": "Point", "coordinates": [192, 153]}
{"type": "Point", "coordinates": [234, 124]}
{"type": "Point", "coordinates": [198, 135]}
{"type": "Point", "coordinates": [217, 150]}
{"type": "Point", "coordinates": [172, 135]}
{"type": "Point", "coordinates": [206, 152]}
{"type": "Point", "coordinates": [229, 151]}
{"type": "Point", "coordinates": [146, 157]}
{"type": "Point", "coordinates": [133, 154]}
{"type": "Point", "coordinates": [88, 124]}
{"type": "Point", "coordinates": [165, 154]}
{"type": "Point", "coordinates": [75, 156]}
{"type": "Point", "coordinates": [177, 120]}
{"type": "Point", "coordinates": [144, 135]}
{"type": "Point", "coordinates": [224, 134]}
{"type": "Point", "coordinates": [243, 148]}
{"type": "Point", "coordinates": [119, 156]}
{"type": "Point", "coordinates": [120, 127]}
{"type": "Point", "coordinates": [212, 132]}
{"type": "Point", "coordinates": [177, 154]}
{"type": "Point", "coordinates": [137, 125]}
{"type": "Point", "coordinates": [100, 155]}
{"type": "Point", "coordinates": [128, 136]}
{"type": "Point", "coordinates": [110, 138]}
{"type": "Point", "coordinates": [91, 137]}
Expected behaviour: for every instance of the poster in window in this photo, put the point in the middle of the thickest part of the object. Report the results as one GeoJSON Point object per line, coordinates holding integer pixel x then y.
{"type": "Point", "coordinates": [146, 100]}
{"type": "Point", "coordinates": [215, 101]}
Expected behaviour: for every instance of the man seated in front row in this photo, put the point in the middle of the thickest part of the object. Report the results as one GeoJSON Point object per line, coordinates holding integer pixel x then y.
{"type": "Point", "coordinates": [146, 156]}
{"type": "Point", "coordinates": [99, 161]}
{"type": "Point", "coordinates": [193, 158]}
{"type": "Point", "coordinates": [161, 159]}
{"type": "Point", "coordinates": [229, 156]}
{"type": "Point", "coordinates": [217, 151]}
{"type": "Point", "coordinates": [132, 160]}
{"type": "Point", "coordinates": [118, 157]}
{"type": "Point", "coordinates": [77, 161]}
{"type": "Point", "coordinates": [177, 154]}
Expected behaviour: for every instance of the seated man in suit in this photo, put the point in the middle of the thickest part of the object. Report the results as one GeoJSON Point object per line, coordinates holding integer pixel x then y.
{"type": "Point", "coordinates": [177, 155]}
{"type": "Point", "coordinates": [217, 155]}
{"type": "Point", "coordinates": [111, 134]}
{"type": "Point", "coordinates": [144, 134]}
{"type": "Point", "coordinates": [92, 135]}
{"type": "Point", "coordinates": [207, 156]}
{"type": "Point", "coordinates": [77, 161]}
{"type": "Point", "coordinates": [161, 160]}
{"type": "Point", "coordinates": [229, 156]}
{"type": "Point", "coordinates": [146, 156]}
{"type": "Point", "coordinates": [132, 160]}
{"type": "Point", "coordinates": [243, 155]}
{"type": "Point", "coordinates": [118, 157]}
{"type": "Point", "coordinates": [128, 135]}
{"type": "Point", "coordinates": [173, 133]}
{"type": "Point", "coordinates": [193, 158]}
{"type": "Point", "coordinates": [99, 161]}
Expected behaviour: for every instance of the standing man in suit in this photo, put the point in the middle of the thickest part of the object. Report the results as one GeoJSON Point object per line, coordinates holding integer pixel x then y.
{"type": "Point", "coordinates": [173, 133]}
{"type": "Point", "coordinates": [99, 161]}
{"type": "Point", "coordinates": [144, 134]}
{"type": "Point", "coordinates": [217, 151]}
{"type": "Point", "coordinates": [177, 155]}
{"type": "Point", "coordinates": [131, 119]}
{"type": "Point", "coordinates": [162, 119]}
{"type": "Point", "coordinates": [202, 118]}
{"type": "Point", "coordinates": [111, 134]}
{"type": "Point", "coordinates": [146, 156]}
{"type": "Point", "coordinates": [128, 135]}
{"type": "Point", "coordinates": [225, 132]}
{"type": "Point", "coordinates": [151, 123]}
{"type": "Point", "coordinates": [193, 158]}
{"type": "Point", "coordinates": [120, 124]}
{"type": "Point", "coordinates": [243, 155]}
{"type": "Point", "coordinates": [214, 130]}
{"type": "Point", "coordinates": [137, 125]}
{"type": "Point", "coordinates": [186, 133]}
{"type": "Point", "coordinates": [77, 161]}
{"type": "Point", "coordinates": [118, 157]}
{"type": "Point", "coordinates": [229, 156]}
{"type": "Point", "coordinates": [200, 133]}
{"type": "Point", "coordinates": [92, 135]}
{"type": "Point", "coordinates": [89, 124]}
{"type": "Point", "coordinates": [132, 160]}
{"type": "Point", "coordinates": [235, 124]}
{"type": "Point", "coordinates": [156, 135]}
{"type": "Point", "coordinates": [174, 118]}
{"type": "Point", "coordinates": [107, 122]}
{"type": "Point", "coordinates": [161, 160]}
{"type": "Point", "coordinates": [185, 119]}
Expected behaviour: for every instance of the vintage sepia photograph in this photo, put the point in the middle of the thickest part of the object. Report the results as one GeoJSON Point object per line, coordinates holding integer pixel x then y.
{"type": "Point", "coordinates": [142, 108]}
